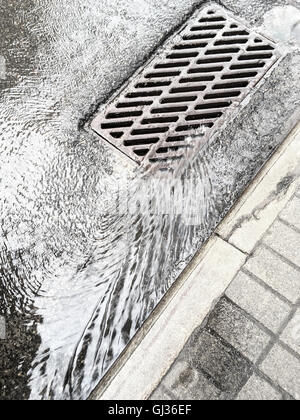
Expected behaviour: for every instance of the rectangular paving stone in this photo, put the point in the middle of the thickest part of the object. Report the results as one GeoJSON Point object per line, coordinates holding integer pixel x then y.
{"type": "Point", "coordinates": [284, 369]}
{"type": "Point", "coordinates": [257, 389]}
{"type": "Point", "coordinates": [226, 366]}
{"type": "Point", "coordinates": [185, 382]}
{"type": "Point", "coordinates": [259, 302]}
{"type": "Point", "coordinates": [2, 328]}
{"type": "Point", "coordinates": [285, 241]}
{"type": "Point", "coordinates": [277, 274]}
{"type": "Point", "coordinates": [232, 324]}
{"type": "Point", "coordinates": [291, 334]}
{"type": "Point", "coordinates": [291, 212]}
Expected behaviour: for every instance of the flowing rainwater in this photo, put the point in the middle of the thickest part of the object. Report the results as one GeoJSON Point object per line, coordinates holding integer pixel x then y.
{"type": "Point", "coordinates": [88, 244]}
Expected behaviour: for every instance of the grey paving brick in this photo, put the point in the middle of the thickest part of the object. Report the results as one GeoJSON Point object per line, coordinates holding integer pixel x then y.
{"type": "Point", "coordinates": [227, 367]}
{"type": "Point", "coordinates": [160, 395]}
{"type": "Point", "coordinates": [232, 324]}
{"type": "Point", "coordinates": [259, 302]}
{"type": "Point", "coordinates": [285, 241]}
{"type": "Point", "coordinates": [284, 369]}
{"type": "Point", "coordinates": [2, 328]}
{"type": "Point", "coordinates": [291, 213]}
{"type": "Point", "coordinates": [185, 382]}
{"type": "Point", "coordinates": [257, 389]}
{"type": "Point", "coordinates": [291, 334]}
{"type": "Point", "coordinates": [279, 275]}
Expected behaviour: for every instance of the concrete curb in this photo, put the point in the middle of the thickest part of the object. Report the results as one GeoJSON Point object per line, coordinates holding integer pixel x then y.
{"type": "Point", "coordinates": [265, 198]}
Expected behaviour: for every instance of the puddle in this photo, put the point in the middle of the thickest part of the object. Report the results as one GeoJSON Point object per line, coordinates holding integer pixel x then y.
{"type": "Point", "coordinates": [283, 24]}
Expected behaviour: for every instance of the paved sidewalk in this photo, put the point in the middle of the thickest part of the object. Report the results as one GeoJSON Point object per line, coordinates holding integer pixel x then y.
{"type": "Point", "coordinates": [249, 347]}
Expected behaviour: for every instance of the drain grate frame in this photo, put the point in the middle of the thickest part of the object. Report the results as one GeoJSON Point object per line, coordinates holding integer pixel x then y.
{"type": "Point", "coordinates": [179, 99]}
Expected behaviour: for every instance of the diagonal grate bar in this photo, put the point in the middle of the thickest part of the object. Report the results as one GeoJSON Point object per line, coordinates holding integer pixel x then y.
{"type": "Point", "coordinates": [180, 98]}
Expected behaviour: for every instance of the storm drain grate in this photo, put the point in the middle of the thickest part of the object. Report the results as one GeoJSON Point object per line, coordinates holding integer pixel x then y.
{"type": "Point", "coordinates": [180, 97]}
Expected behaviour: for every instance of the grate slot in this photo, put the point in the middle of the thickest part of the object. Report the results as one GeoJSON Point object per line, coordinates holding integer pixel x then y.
{"type": "Point", "coordinates": [133, 104]}
{"type": "Point", "coordinates": [231, 85]}
{"type": "Point", "coordinates": [254, 57]}
{"type": "Point", "coordinates": [209, 116]}
{"type": "Point", "coordinates": [221, 95]}
{"type": "Point", "coordinates": [205, 69]}
{"type": "Point", "coordinates": [261, 48]}
{"type": "Point", "coordinates": [117, 134]}
{"type": "Point", "coordinates": [199, 36]}
{"type": "Point", "coordinates": [144, 94]}
{"type": "Point", "coordinates": [165, 160]}
{"type": "Point", "coordinates": [232, 41]}
{"type": "Point", "coordinates": [171, 65]}
{"type": "Point", "coordinates": [141, 152]}
{"type": "Point", "coordinates": [191, 46]}
{"type": "Point", "coordinates": [214, 60]}
{"type": "Point", "coordinates": [117, 115]}
{"type": "Point", "coordinates": [213, 19]}
{"type": "Point", "coordinates": [175, 139]}
{"type": "Point", "coordinates": [193, 127]}
{"type": "Point", "coordinates": [182, 95]}
{"type": "Point", "coordinates": [188, 89]}
{"type": "Point", "coordinates": [172, 148]}
{"type": "Point", "coordinates": [121, 124]}
{"type": "Point", "coordinates": [206, 28]}
{"type": "Point", "coordinates": [197, 79]}
{"type": "Point", "coordinates": [212, 105]}
{"type": "Point", "coordinates": [247, 66]}
{"type": "Point", "coordinates": [159, 120]}
{"type": "Point", "coordinates": [222, 51]}
{"type": "Point", "coordinates": [236, 33]}
{"type": "Point", "coordinates": [176, 99]}
{"type": "Point", "coordinates": [147, 131]}
{"type": "Point", "coordinates": [136, 142]}
{"type": "Point", "coordinates": [239, 75]}
{"type": "Point", "coordinates": [169, 110]}
{"type": "Point", "coordinates": [183, 55]}
{"type": "Point", "coordinates": [162, 74]}
{"type": "Point", "coordinates": [147, 85]}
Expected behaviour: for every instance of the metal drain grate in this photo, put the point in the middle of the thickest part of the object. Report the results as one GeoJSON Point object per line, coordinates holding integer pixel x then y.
{"type": "Point", "coordinates": [181, 96]}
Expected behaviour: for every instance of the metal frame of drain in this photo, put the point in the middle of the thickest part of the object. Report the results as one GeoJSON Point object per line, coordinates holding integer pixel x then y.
{"type": "Point", "coordinates": [180, 98]}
